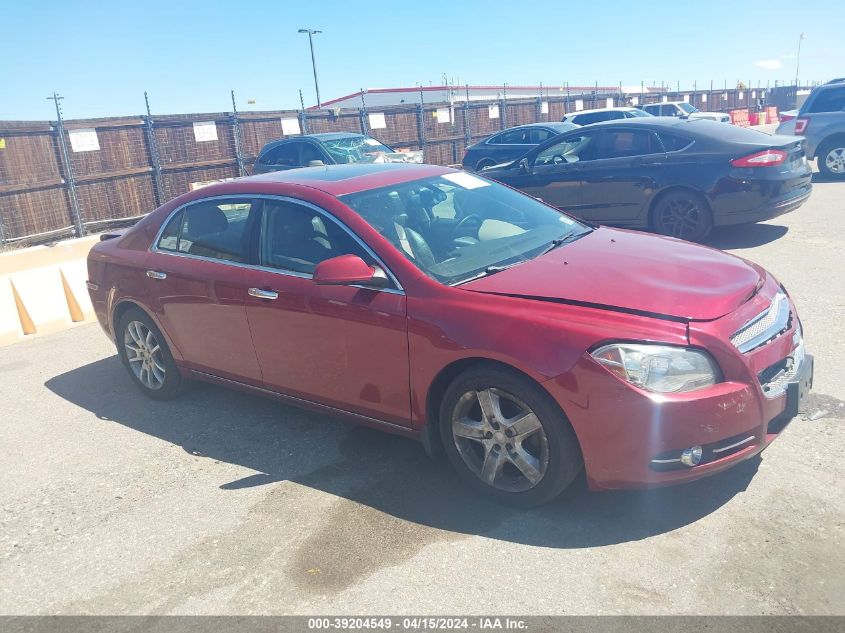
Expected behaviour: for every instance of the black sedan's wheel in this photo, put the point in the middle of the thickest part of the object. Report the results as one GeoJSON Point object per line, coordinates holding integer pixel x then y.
{"type": "Point", "coordinates": [682, 214]}
{"type": "Point", "coordinates": [145, 354]}
{"type": "Point", "coordinates": [483, 163]}
{"type": "Point", "coordinates": [507, 438]}
{"type": "Point", "coordinates": [832, 158]}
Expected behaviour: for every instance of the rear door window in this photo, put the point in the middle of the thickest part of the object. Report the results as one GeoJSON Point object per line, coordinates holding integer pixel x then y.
{"type": "Point", "coordinates": [515, 137]}
{"type": "Point", "coordinates": [215, 229]}
{"type": "Point", "coordinates": [625, 143]}
{"type": "Point", "coordinates": [830, 100]}
{"type": "Point", "coordinates": [673, 143]}
{"type": "Point", "coordinates": [539, 135]}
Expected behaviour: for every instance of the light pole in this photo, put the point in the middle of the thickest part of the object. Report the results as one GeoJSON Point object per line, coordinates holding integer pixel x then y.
{"type": "Point", "coordinates": [311, 34]}
{"type": "Point", "coordinates": [798, 60]}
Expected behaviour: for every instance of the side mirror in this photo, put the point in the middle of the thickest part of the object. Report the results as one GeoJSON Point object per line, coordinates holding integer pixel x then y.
{"type": "Point", "coordinates": [348, 270]}
{"type": "Point", "coordinates": [523, 166]}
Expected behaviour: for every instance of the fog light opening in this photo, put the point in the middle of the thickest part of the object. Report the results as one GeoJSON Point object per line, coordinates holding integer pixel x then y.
{"type": "Point", "coordinates": [691, 456]}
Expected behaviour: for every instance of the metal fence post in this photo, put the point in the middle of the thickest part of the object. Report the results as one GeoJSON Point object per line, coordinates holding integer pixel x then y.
{"type": "Point", "coordinates": [152, 145]}
{"type": "Point", "coordinates": [2, 232]}
{"type": "Point", "coordinates": [503, 116]}
{"type": "Point", "coordinates": [236, 133]}
{"type": "Point", "coordinates": [362, 114]}
{"type": "Point", "coordinates": [71, 183]}
{"type": "Point", "coordinates": [303, 118]}
{"type": "Point", "coordinates": [467, 131]}
{"type": "Point", "coordinates": [421, 123]}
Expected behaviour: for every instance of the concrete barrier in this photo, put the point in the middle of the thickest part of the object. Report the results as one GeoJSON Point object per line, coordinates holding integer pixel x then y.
{"type": "Point", "coordinates": [42, 289]}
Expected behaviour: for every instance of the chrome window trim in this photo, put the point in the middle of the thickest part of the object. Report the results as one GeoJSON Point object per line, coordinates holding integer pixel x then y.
{"type": "Point", "coordinates": [289, 273]}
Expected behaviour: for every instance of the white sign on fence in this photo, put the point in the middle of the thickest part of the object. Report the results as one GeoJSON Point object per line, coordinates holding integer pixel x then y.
{"type": "Point", "coordinates": [665, 98]}
{"type": "Point", "coordinates": [609, 102]}
{"type": "Point", "coordinates": [442, 115]}
{"type": "Point", "coordinates": [493, 111]}
{"type": "Point", "coordinates": [635, 100]}
{"type": "Point", "coordinates": [377, 121]}
{"type": "Point", "coordinates": [84, 140]}
{"type": "Point", "coordinates": [544, 107]}
{"type": "Point", "coordinates": [704, 98]}
{"type": "Point", "coordinates": [686, 98]}
{"type": "Point", "coordinates": [205, 131]}
{"type": "Point", "coordinates": [579, 105]}
{"type": "Point", "coordinates": [741, 96]}
{"type": "Point", "coordinates": [290, 126]}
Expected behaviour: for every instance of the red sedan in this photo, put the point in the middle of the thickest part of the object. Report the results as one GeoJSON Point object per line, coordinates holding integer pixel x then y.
{"type": "Point", "coordinates": [446, 307]}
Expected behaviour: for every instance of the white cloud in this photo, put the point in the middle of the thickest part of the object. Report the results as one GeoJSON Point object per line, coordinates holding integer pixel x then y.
{"type": "Point", "coordinates": [769, 64]}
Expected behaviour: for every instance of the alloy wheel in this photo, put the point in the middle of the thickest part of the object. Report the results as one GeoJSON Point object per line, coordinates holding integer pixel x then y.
{"type": "Point", "coordinates": [500, 439]}
{"type": "Point", "coordinates": [144, 353]}
{"type": "Point", "coordinates": [835, 160]}
{"type": "Point", "coordinates": [681, 217]}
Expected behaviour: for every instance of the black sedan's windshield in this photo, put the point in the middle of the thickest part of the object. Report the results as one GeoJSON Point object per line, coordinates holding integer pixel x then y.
{"type": "Point", "coordinates": [355, 149]}
{"type": "Point", "coordinates": [457, 226]}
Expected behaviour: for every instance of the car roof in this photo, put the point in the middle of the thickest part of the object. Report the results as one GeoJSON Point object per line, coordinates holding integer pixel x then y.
{"type": "Point", "coordinates": [550, 124]}
{"type": "Point", "coordinates": [325, 136]}
{"type": "Point", "coordinates": [339, 180]}
{"type": "Point", "coordinates": [615, 109]}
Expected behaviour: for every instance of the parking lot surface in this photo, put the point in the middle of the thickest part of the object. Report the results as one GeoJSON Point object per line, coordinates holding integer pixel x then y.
{"type": "Point", "coordinates": [220, 502]}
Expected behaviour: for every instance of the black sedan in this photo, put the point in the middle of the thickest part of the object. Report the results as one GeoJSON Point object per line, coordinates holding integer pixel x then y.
{"type": "Point", "coordinates": [310, 150]}
{"type": "Point", "coordinates": [511, 143]}
{"type": "Point", "coordinates": [676, 177]}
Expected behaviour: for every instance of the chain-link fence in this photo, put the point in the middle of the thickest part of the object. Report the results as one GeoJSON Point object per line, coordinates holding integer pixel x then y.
{"type": "Point", "coordinates": [70, 177]}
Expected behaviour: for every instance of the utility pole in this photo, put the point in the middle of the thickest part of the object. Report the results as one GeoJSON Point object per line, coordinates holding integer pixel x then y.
{"type": "Point", "coordinates": [71, 183]}
{"type": "Point", "coordinates": [311, 33]}
{"type": "Point", "coordinates": [798, 62]}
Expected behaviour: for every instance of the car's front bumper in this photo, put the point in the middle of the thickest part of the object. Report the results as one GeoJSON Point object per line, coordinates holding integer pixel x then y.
{"type": "Point", "coordinates": [631, 438]}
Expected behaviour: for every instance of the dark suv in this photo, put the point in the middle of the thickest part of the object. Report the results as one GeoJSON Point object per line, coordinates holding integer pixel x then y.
{"type": "Point", "coordinates": [821, 121]}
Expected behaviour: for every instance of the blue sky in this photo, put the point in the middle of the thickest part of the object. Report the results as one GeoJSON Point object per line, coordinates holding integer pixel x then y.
{"type": "Point", "coordinates": [189, 54]}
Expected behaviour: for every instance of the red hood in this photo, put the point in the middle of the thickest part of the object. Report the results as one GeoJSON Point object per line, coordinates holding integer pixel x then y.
{"type": "Point", "coordinates": [634, 272]}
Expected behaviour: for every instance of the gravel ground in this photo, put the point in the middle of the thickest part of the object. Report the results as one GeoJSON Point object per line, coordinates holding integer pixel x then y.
{"type": "Point", "coordinates": [225, 503]}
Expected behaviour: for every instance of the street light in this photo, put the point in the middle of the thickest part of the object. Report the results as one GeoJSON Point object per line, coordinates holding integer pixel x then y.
{"type": "Point", "coordinates": [798, 61]}
{"type": "Point", "coordinates": [311, 33]}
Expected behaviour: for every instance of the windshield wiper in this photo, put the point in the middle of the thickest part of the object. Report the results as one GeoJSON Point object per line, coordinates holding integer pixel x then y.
{"type": "Point", "coordinates": [560, 241]}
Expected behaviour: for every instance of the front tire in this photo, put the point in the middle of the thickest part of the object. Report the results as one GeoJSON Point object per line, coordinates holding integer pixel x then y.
{"type": "Point", "coordinates": [682, 214]}
{"type": "Point", "coordinates": [831, 158]}
{"type": "Point", "coordinates": [507, 438]}
{"type": "Point", "coordinates": [144, 353]}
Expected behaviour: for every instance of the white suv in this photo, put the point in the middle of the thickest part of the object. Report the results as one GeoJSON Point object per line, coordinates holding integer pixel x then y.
{"type": "Point", "coordinates": [684, 110]}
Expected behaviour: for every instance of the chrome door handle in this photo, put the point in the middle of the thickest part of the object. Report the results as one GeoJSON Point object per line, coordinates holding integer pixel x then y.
{"type": "Point", "coordinates": [258, 293]}
{"type": "Point", "coordinates": [154, 274]}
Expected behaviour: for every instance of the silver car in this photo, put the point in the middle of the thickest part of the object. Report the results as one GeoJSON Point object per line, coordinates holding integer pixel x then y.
{"type": "Point", "coordinates": [821, 121]}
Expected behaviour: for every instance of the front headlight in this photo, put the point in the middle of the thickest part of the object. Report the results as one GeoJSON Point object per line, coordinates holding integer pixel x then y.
{"type": "Point", "coordinates": [659, 368]}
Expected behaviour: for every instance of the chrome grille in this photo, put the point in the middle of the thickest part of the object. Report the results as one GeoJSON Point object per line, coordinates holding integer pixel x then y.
{"type": "Point", "coordinates": [773, 321]}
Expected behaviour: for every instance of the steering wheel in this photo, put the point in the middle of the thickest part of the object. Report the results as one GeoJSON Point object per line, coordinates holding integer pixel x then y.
{"type": "Point", "coordinates": [464, 221]}
{"type": "Point", "coordinates": [557, 159]}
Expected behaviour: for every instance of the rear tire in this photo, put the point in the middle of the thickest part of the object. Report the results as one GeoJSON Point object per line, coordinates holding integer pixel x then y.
{"type": "Point", "coordinates": [507, 438]}
{"type": "Point", "coordinates": [831, 158]}
{"type": "Point", "coordinates": [682, 214]}
{"type": "Point", "coordinates": [146, 356]}
{"type": "Point", "coordinates": [484, 162]}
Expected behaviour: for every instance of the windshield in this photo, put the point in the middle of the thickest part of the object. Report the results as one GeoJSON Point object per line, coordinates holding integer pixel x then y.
{"type": "Point", "coordinates": [457, 226]}
{"type": "Point", "coordinates": [689, 109]}
{"type": "Point", "coordinates": [355, 149]}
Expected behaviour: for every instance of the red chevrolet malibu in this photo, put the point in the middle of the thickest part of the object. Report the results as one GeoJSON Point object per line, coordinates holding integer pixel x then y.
{"type": "Point", "coordinates": [439, 305]}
